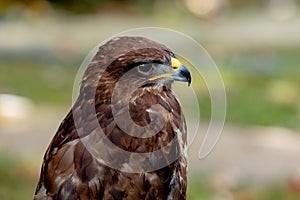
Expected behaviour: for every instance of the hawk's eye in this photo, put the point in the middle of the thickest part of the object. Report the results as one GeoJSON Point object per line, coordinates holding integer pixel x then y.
{"type": "Point", "coordinates": [145, 68]}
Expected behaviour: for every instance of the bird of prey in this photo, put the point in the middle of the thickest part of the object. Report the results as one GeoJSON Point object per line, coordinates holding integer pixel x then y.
{"type": "Point", "coordinates": [95, 154]}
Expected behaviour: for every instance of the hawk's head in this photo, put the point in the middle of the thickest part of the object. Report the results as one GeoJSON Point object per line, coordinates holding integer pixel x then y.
{"type": "Point", "coordinates": [139, 61]}
{"type": "Point", "coordinates": [130, 78]}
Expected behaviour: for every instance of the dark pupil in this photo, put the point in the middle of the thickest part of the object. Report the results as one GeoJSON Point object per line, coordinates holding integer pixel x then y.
{"type": "Point", "coordinates": [145, 67]}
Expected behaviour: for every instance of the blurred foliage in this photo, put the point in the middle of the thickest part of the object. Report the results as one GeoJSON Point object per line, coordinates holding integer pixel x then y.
{"type": "Point", "coordinates": [203, 188]}
{"type": "Point", "coordinates": [40, 82]}
{"type": "Point", "coordinates": [261, 92]}
{"type": "Point", "coordinates": [97, 6]}
{"type": "Point", "coordinates": [18, 179]}
{"type": "Point", "coordinates": [262, 88]}
{"type": "Point", "coordinates": [78, 7]}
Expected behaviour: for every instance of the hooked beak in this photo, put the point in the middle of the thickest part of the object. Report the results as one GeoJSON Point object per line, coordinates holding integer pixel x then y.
{"type": "Point", "coordinates": [181, 73]}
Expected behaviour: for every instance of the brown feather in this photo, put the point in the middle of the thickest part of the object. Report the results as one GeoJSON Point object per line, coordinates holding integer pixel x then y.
{"type": "Point", "coordinates": [70, 171]}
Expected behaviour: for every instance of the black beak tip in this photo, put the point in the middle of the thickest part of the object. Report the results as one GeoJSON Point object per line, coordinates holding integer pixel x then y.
{"type": "Point", "coordinates": [187, 75]}
{"type": "Point", "coordinates": [185, 72]}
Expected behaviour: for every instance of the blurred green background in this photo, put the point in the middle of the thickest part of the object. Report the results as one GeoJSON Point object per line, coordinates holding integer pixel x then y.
{"type": "Point", "coordinates": [255, 44]}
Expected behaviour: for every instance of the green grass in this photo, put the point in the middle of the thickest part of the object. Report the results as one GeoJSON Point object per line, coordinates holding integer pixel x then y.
{"type": "Point", "coordinates": [200, 187]}
{"type": "Point", "coordinates": [18, 179]}
{"type": "Point", "coordinates": [262, 87]}
{"type": "Point", "coordinates": [40, 82]}
{"type": "Point", "coordinates": [259, 100]}
{"type": "Point", "coordinates": [197, 189]}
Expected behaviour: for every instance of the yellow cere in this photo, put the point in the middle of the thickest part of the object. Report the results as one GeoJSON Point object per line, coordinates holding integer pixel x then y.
{"type": "Point", "coordinates": [175, 64]}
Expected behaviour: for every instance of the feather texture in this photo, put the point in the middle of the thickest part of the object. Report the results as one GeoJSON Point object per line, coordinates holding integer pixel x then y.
{"type": "Point", "coordinates": [70, 170]}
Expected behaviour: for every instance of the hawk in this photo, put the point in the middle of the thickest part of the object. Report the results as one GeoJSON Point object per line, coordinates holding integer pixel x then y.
{"type": "Point", "coordinates": [125, 136]}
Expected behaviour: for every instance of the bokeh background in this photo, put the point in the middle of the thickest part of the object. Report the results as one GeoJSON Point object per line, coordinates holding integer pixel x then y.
{"type": "Point", "coordinates": [255, 44]}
